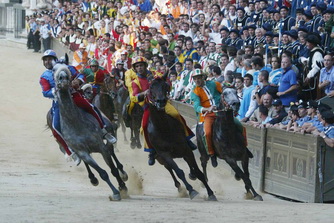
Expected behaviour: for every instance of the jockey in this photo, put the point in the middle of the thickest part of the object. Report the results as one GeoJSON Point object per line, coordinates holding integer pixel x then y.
{"type": "Point", "coordinates": [206, 96]}
{"type": "Point", "coordinates": [48, 89]}
{"type": "Point", "coordinates": [140, 87]}
{"type": "Point", "coordinates": [95, 75]}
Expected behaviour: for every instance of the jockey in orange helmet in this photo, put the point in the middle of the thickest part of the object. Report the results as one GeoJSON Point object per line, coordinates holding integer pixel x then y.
{"type": "Point", "coordinates": [140, 87]}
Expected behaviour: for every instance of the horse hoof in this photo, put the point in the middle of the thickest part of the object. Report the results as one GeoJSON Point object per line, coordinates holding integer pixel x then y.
{"type": "Point", "coordinates": [94, 182]}
{"type": "Point", "coordinates": [193, 194]}
{"type": "Point", "coordinates": [124, 192]}
{"type": "Point", "coordinates": [115, 197]}
{"type": "Point", "coordinates": [258, 198]}
{"type": "Point", "coordinates": [192, 177]}
{"type": "Point", "coordinates": [236, 176]}
{"type": "Point", "coordinates": [139, 146]}
{"type": "Point", "coordinates": [212, 198]}
{"type": "Point", "coordinates": [123, 175]}
{"type": "Point", "coordinates": [132, 145]}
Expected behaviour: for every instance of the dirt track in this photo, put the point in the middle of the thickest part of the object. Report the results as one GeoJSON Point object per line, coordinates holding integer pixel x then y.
{"type": "Point", "coordinates": [37, 185]}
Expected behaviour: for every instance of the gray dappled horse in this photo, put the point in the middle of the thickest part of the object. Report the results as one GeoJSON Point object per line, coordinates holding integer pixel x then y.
{"type": "Point", "coordinates": [167, 136]}
{"type": "Point", "coordinates": [229, 143]}
{"type": "Point", "coordinates": [82, 133]}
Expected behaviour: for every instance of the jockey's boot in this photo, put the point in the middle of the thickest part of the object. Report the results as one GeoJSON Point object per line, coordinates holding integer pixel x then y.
{"type": "Point", "coordinates": [151, 158]}
{"type": "Point", "coordinates": [110, 138]}
{"type": "Point", "coordinates": [214, 161]}
{"type": "Point", "coordinates": [76, 159]}
{"type": "Point", "coordinates": [191, 144]}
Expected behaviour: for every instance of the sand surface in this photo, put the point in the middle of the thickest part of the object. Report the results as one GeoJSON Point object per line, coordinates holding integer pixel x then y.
{"type": "Point", "coordinates": [38, 185]}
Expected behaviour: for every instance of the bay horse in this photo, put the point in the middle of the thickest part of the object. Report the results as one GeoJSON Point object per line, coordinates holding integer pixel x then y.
{"type": "Point", "coordinates": [229, 143]}
{"type": "Point", "coordinates": [104, 100]}
{"type": "Point", "coordinates": [121, 96]}
{"type": "Point", "coordinates": [167, 136]}
{"type": "Point", "coordinates": [82, 133]}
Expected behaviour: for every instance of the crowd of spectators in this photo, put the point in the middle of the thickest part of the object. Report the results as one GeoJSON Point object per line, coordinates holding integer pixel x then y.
{"type": "Point", "coordinates": [277, 54]}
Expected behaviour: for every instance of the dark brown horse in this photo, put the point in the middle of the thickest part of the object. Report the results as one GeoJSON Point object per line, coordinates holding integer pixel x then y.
{"type": "Point", "coordinates": [104, 100]}
{"type": "Point", "coordinates": [229, 143]}
{"type": "Point", "coordinates": [121, 96]}
{"type": "Point", "coordinates": [167, 136]}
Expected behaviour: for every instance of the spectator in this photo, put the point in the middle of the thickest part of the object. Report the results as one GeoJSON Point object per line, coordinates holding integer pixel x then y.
{"type": "Point", "coordinates": [287, 90]}
{"type": "Point", "coordinates": [326, 82]}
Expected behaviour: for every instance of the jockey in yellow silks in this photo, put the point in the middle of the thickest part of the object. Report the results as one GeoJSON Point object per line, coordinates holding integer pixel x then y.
{"type": "Point", "coordinates": [140, 87]}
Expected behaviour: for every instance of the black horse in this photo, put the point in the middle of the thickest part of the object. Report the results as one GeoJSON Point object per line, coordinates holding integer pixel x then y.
{"type": "Point", "coordinates": [166, 134]}
{"type": "Point", "coordinates": [229, 143]}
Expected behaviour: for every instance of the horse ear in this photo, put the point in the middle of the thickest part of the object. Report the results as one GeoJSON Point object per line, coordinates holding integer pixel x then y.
{"type": "Point", "coordinates": [66, 58]}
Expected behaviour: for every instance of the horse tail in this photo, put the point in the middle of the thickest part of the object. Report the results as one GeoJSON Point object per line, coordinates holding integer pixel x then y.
{"type": "Point", "coordinates": [249, 153]}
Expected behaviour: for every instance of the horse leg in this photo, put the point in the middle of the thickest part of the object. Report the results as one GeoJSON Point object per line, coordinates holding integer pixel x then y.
{"type": "Point", "coordinates": [103, 174]}
{"type": "Point", "coordinates": [138, 144]}
{"type": "Point", "coordinates": [190, 159]}
{"type": "Point", "coordinates": [204, 161]}
{"type": "Point", "coordinates": [93, 180]}
{"type": "Point", "coordinates": [176, 182]}
{"type": "Point", "coordinates": [171, 163]}
{"type": "Point", "coordinates": [248, 184]}
{"type": "Point", "coordinates": [119, 165]}
{"type": "Point", "coordinates": [132, 139]}
{"type": "Point", "coordinates": [107, 158]}
{"type": "Point", "coordinates": [123, 130]}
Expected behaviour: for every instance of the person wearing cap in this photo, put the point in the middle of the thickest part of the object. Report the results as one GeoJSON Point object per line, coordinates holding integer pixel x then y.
{"type": "Point", "coordinates": [235, 39]}
{"type": "Point", "coordinates": [265, 19]}
{"type": "Point", "coordinates": [314, 63]}
{"type": "Point", "coordinates": [308, 18]}
{"type": "Point", "coordinates": [255, 16]}
{"type": "Point", "coordinates": [95, 75]}
{"type": "Point", "coordinates": [45, 33]}
{"type": "Point", "coordinates": [206, 98]}
{"type": "Point", "coordinates": [294, 45]}
{"type": "Point", "coordinates": [140, 89]}
{"type": "Point", "coordinates": [224, 34]}
{"type": "Point", "coordinates": [303, 114]}
{"type": "Point", "coordinates": [48, 90]}
{"type": "Point", "coordinates": [241, 20]}
{"type": "Point", "coordinates": [119, 73]}
{"type": "Point", "coordinates": [48, 86]}
{"type": "Point", "coordinates": [314, 121]}
{"type": "Point", "coordinates": [280, 113]}
{"type": "Point", "coordinates": [326, 81]}
{"type": "Point", "coordinates": [316, 10]}
{"type": "Point", "coordinates": [286, 21]}
{"type": "Point", "coordinates": [126, 60]}
{"type": "Point", "coordinates": [293, 108]}
{"type": "Point", "coordinates": [80, 58]}
{"type": "Point", "coordinates": [251, 37]}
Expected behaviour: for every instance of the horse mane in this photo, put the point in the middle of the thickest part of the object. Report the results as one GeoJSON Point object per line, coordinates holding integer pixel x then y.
{"type": "Point", "coordinates": [61, 67]}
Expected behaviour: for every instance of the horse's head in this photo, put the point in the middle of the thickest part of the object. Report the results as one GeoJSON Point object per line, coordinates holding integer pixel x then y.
{"type": "Point", "coordinates": [229, 99]}
{"type": "Point", "coordinates": [62, 76]}
{"type": "Point", "coordinates": [109, 86]}
{"type": "Point", "coordinates": [159, 91]}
